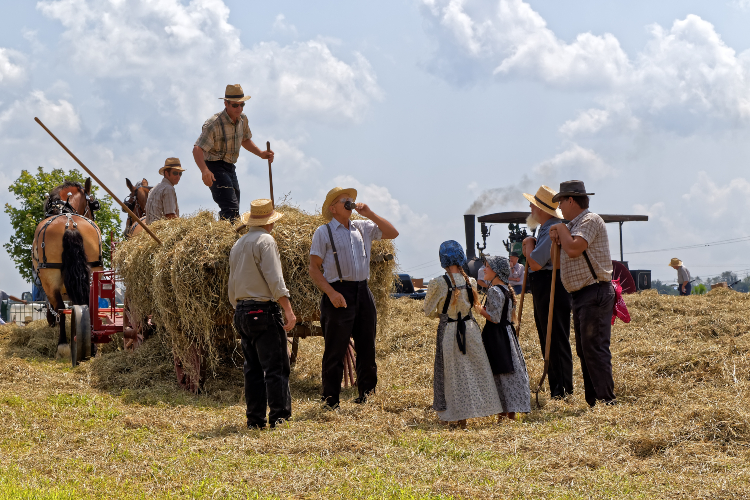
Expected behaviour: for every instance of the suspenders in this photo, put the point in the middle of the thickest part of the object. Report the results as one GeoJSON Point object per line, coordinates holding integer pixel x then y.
{"type": "Point", "coordinates": [335, 254]}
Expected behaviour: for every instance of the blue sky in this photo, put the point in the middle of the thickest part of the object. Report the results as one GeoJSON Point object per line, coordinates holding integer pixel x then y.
{"type": "Point", "coordinates": [429, 107]}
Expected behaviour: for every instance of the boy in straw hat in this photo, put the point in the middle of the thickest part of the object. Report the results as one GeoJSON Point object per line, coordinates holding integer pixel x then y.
{"type": "Point", "coordinates": [218, 147]}
{"type": "Point", "coordinates": [683, 276]}
{"type": "Point", "coordinates": [586, 272]}
{"type": "Point", "coordinates": [162, 199]}
{"type": "Point", "coordinates": [537, 250]}
{"type": "Point", "coordinates": [342, 249]}
{"type": "Point", "coordinates": [256, 289]}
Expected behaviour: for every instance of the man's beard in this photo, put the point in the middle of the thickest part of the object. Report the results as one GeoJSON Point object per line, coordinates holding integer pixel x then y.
{"type": "Point", "coordinates": [531, 222]}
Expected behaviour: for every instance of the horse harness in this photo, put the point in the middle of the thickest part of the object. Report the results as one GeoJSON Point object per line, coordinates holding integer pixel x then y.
{"type": "Point", "coordinates": [58, 265]}
{"type": "Point", "coordinates": [461, 327]}
{"type": "Point", "coordinates": [60, 207]}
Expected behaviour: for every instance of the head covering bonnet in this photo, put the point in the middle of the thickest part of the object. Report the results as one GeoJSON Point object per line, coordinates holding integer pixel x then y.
{"type": "Point", "coordinates": [452, 254]}
{"type": "Point", "coordinates": [501, 266]}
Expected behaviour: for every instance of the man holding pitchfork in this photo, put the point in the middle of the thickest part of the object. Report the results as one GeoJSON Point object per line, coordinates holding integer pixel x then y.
{"type": "Point", "coordinates": [586, 272]}
{"type": "Point", "coordinates": [218, 147]}
{"type": "Point", "coordinates": [537, 251]}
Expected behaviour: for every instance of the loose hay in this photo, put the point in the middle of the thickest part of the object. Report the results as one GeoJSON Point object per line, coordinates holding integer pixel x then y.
{"type": "Point", "coordinates": [182, 284]}
{"type": "Point", "coordinates": [680, 430]}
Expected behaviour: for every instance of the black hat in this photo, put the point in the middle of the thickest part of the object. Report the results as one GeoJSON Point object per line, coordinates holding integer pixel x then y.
{"type": "Point", "coordinates": [571, 188]}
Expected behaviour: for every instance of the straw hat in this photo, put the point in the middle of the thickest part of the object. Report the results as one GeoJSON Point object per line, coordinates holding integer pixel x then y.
{"type": "Point", "coordinates": [261, 213]}
{"type": "Point", "coordinates": [543, 201]}
{"type": "Point", "coordinates": [234, 93]}
{"type": "Point", "coordinates": [675, 262]}
{"type": "Point", "coordinates": [333, 195]}
{"type": "Point", "coordinates": [171, 163]}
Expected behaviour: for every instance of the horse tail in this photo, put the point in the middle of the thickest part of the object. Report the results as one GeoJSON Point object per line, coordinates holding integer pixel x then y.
{"type": "Point", "coordinates": [76, 273]}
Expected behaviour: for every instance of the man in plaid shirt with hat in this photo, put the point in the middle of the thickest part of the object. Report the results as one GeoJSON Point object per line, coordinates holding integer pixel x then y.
{"type": "Point", "coordinates": [586, 272]}
{"type": "Point", "coordinates": [218, 148]}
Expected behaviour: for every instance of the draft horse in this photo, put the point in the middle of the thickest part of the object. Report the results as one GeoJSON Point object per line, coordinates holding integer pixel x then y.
{"type": "Point", "coordinates": [136, 201]}
{"type": "Point", "coordinates": [67, 247]}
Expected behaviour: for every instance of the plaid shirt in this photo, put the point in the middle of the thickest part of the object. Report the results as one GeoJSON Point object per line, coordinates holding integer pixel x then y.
{"type": "Point", "coordinates": [162, 200]}
{"type": "Point", "coordinates": [221, 139]}
{"type": "Point", "coordinates": [575, 273]}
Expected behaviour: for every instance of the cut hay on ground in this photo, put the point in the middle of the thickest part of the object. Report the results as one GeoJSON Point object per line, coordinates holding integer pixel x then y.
{"type": "Point", "coordinates": [182, 284]}
{"type": "Point", "coordinates": [118, 423]}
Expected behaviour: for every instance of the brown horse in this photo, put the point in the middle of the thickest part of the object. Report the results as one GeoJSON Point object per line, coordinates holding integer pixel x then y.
{"type": "Point", "coordinates": [67, 247]}
{"type": "Point", "coordinates": [136, 201]}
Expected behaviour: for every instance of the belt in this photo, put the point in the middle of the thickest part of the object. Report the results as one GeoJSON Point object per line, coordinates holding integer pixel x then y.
{"type": "Point", "coordinates": [249, 302]}
{"type": "Point", "coordinates": [461, 330]}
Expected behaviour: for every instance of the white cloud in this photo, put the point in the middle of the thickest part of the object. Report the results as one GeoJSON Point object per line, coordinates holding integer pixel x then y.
{"type": "Point", "coordinates": [12, 70]}
{"type": "Point", "coordinates": [740, 4]}
{"type": "Point", "coordinates": [282, 27]}
{"type": "Point", "coordinates": [17, 119]}
{"type": "Point", "coordinates": [574, 163]}
{"type": "Point", "coordinates": [686, 78]}
{"type": "Point", "coordinates": [716, 201]}
{"type": "Point", "coordinates": [508, 38]}
{"type": "Point", "coordinates": [183, 56]}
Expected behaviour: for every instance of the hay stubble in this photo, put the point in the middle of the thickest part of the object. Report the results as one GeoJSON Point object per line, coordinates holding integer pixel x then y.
{"type": "Point", "coordinates": [681, 429]}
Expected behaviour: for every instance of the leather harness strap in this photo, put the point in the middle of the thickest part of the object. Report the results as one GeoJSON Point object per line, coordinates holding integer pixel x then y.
{"type": "Point", "coordinates": [58, 265]}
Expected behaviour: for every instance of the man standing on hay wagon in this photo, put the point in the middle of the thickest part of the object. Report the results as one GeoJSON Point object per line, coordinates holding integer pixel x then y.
{"type": "Point", "coordinates": [218, 148]}
{"type": "Point", "coordinates": [162, 199]}
{"type": "Point", "coordinates": [347, 309]}
{"type": "Point", "coordinates": [586, 272]}
{"type": "Point", "coordinates": [256, 288]}
{"type": "Point", "coordinates": [538, 255]}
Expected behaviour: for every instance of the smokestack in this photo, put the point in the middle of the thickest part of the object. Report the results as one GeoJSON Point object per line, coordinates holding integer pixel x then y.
{"type": "Point", "coordinates": [469, 223]}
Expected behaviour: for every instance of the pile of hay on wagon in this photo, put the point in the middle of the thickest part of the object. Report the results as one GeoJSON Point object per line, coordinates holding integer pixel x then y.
{"type": "Point", "coordinates": [182, 283]}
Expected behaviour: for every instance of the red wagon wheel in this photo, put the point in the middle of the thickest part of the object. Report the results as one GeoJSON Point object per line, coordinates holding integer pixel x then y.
{"type": "Point", "coordinates": [192, 363]}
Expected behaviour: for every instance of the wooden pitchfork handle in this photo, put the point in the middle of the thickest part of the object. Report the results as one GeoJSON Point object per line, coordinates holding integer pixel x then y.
{"type": "Point", "coordinates": [130, 212]}
{"type": "Point", "coordinates": [270, 174]}
{"type": "Point", "coordinates": [555, 255]}
{"type": "Point", "coordinates": [523, 294]}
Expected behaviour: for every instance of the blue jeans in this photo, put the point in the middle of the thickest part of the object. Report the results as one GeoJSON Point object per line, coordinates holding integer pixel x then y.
{"type": "Point", "coordinates": [688, 289]}
{"type": "Point", "coordinates": [225, 189]}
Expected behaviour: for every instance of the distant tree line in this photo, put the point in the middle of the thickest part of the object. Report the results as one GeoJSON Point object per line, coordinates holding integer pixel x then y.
{"type": "Point", "coordinates": [701, 285]}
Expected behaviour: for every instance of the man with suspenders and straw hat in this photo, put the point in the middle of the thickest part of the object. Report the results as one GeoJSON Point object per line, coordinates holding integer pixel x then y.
{"type": "Point", "coordinates": [217, 149]}
{"type": "Point", "coordinates": [342, 249]}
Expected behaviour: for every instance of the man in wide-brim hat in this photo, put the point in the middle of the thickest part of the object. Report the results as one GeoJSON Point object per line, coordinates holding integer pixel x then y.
{"type": "Point", "coordinates": [586, 272]}
{"type": "Point", "coordinates": [162, 199]}
{"type": "Point", "coordinates": [217, 149]}
{"type": "Point", "coordinates": [537, 250]}
{"type": "Point", "coordinates": [683, 276]}
{"type": "Point", "coordinates": [342, 249]}
{"type": "Point", "coordinates": [256, 289]}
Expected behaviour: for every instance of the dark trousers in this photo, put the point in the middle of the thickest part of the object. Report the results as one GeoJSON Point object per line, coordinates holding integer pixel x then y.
{"type": "Point", "coordinates": [266, 362]}
{"type": "Point", "coordinates": [592, 321]}
{"type": "Point", "coordinates": [225, 189]}
{"type": "Point", "coordinates": [688, 289]}
{"type": "Point", "coordinates": [357, 320]}
{"type": "Point", "coordinates": [560, 374]}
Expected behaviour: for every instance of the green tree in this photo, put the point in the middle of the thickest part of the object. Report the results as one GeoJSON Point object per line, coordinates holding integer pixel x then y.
{"type": "Point", "coordinates": [30, 191]}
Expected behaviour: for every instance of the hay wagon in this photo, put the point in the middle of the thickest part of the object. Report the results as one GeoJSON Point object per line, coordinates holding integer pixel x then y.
{"type": "Point", "coordinates": [92, 324]}
{"type": "Point", "coordinates": [180, 286]}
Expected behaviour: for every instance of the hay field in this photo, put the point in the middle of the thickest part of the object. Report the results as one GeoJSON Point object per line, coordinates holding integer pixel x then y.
{"type": "Point", "coordinates": [118, 427]}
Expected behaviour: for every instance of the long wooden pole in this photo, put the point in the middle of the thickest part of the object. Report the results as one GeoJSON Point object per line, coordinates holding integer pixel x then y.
{"type": "Point", "coordinates": [270, 174]}
{"type": "Point", "coordinates": [130, 212]}
{"type": "Point", "coordinates": [555, 255]}
{"type": "Point", "coordinates": [523, 294]}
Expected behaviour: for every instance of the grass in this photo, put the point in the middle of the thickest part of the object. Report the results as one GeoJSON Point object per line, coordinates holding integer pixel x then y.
{"type": "Point", "coordinates": [118, 427]}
